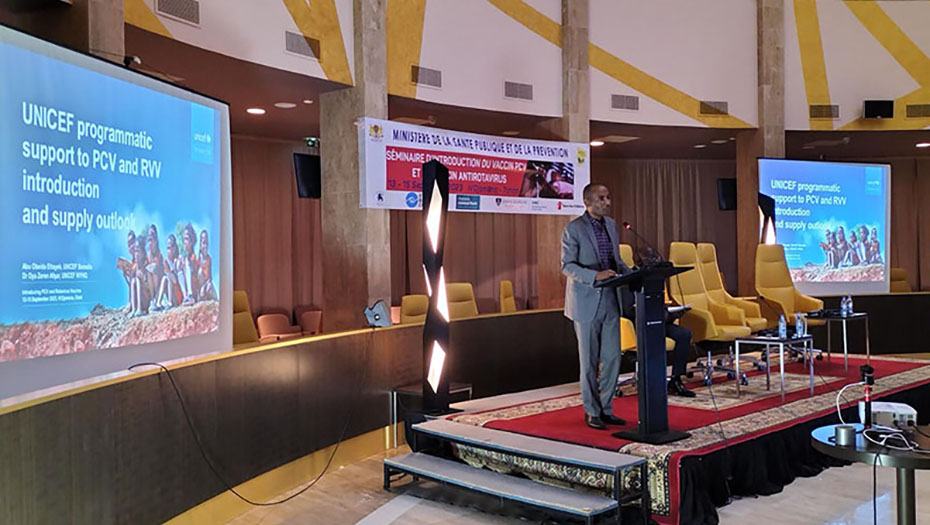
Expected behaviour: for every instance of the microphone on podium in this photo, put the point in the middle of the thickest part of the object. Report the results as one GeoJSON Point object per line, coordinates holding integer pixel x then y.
{"type": "Point", "coordinates": [629, 227]}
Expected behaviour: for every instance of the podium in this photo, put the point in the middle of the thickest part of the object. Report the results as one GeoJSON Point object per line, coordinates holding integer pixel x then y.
{"type": "Point", "coordinates": [648, 285]}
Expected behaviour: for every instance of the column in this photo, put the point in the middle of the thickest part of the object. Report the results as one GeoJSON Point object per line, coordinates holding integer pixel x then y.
{"type": "Point", "coordinates": [768, 140]}
{"type": "Point", "coordinates": [573, 126]}
{"type": "Point", "coordinates": [356, 241]}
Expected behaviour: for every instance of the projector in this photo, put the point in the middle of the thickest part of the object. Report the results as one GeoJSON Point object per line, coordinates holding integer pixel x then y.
{"type": "Point", "coordinates": [891, 415]}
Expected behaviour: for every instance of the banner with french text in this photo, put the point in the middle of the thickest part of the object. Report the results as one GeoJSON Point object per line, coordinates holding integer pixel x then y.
{"type": "Point", "coordinates": [486, 173]}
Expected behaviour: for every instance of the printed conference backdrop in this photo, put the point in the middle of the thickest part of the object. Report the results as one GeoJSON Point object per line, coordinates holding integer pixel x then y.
{"type": "Point", "coordinates": [486, 173]}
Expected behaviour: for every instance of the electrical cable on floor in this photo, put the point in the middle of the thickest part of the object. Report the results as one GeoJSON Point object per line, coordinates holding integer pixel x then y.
{"type": "Point", "coordinates": [213, 468]}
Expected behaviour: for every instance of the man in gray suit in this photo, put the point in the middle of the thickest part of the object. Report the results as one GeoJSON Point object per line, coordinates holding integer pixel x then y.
{"type": "Point", "coordinates": [590, 253]}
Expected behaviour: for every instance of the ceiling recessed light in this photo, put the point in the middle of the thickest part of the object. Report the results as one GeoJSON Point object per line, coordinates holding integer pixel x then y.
{"type": "Point", "coordinates": [808, 146]}
{"type": "Point", "coordinates": [285, 105]}
{"type": "Point", "coordinates": [308, 101]}
{"type": "Point", "coordinates": [699, 146]}
{"type": "Point", "coordinates": [732, 138]}
{"type": "Point", "coordinates": [510, 133]}
{"type": "Point", "coordinates": [923, 144]}
{"type": "Point", "coordinates": [255, 111]}
{"type": "Point", "coordinates": [719, 141]}
{"type": "Point", "coordinates": [597, 143]}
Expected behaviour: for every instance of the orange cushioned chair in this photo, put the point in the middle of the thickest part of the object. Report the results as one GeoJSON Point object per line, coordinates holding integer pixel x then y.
{"type": "Point", "coordinates": [413, 308]}
{"type": "Point", "coordinates": [707, 263]}
{"type": "Point", "coordinates": [276, 327]}
{"type": "Point", "coordinates": [310, 319]}
{"type": "Point", "coordinates": [776, 288]}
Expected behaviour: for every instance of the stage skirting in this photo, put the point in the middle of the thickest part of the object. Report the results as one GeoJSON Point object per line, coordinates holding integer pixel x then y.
{"type": "Point", "coordinates": [757, 445]}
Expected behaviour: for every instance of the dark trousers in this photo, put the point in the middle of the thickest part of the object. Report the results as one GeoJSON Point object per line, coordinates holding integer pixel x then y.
{"type": "Point", "coordinates": [682, 338]}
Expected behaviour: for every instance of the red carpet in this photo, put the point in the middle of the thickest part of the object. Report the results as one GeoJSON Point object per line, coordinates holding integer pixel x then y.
{"type": "Point", "coordinates": [562, 418]}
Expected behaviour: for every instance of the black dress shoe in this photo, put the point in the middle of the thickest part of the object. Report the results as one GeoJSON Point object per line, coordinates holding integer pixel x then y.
{"type": "Point", "coordinates": [594, 422]}
{"type": "Point", "coordinates": [677, 388]}
{"type": "Point", "coordinates": [611, 419]}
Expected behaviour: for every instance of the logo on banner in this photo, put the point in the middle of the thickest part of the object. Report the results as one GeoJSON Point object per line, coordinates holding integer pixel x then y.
{"type": "Point", "coordinates": [498, 201]}
{"type": "Point", "coordinates": [558, 205]}
{"type": "Point", "coordinates": [375, 131]}
{"type": "Point", "coordinates": [380, 197]}
{"type": "Point", "coordinates": [581, 155]}
{"type": "Point", "coordinates": [412, 200]}
{"type": "Point", "coordinates": [467, 202]}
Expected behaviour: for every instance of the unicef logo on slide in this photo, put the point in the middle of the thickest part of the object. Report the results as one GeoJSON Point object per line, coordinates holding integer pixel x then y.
{"type": "Point", "coordinates": [412, 200]}
{"type": "Point", "coordinates": [201, 134]}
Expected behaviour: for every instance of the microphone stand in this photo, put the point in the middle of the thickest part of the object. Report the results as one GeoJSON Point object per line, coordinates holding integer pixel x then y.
{"type": "Point", "coordinates": [629, 227]}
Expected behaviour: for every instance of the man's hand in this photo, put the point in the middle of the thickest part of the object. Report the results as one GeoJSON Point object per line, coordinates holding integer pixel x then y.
{"type": "Point", "coordinates": [604, 274]}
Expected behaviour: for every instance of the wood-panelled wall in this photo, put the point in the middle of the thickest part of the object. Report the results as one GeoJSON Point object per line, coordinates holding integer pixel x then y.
{"type": "Point", "coordinates": [277, 237]}
{"type": "Point", "coordinates": [481, 248]}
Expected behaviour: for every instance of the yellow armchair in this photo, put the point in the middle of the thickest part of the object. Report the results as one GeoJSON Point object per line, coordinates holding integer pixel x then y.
{"type": "Point", "coordinates": [626, 255]}
{"type": "Point", "coordinates": [506, 301]}
{"type": "Point", "coordinates": [710, 272]}
{"type": "Point", "coordinates": [898, 282]}
{"type": "Point", "coordinates": [776, 288]}
{"type": "Point", "coordinates": [462, 304]}
{"type": "Point", "coordinates": [707, 319]}
{"type": "Point", "coordinates": [413, 308]}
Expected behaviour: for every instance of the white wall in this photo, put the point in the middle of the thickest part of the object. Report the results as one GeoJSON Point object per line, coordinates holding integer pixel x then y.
{"type": "Point", "coordinates": [858, 66]}
{"type": "Point", "coordinates": [477, 47]}
{"type": "Point", "coordinates": [253, 30]}
{"type": "Point", "coordinates": [706, 49]}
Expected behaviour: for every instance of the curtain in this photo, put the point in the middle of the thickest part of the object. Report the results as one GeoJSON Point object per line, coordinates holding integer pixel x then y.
{"type": "Point", "coordinates": [672, 200]}
{"type": "Point", "coordinates": [910, 218]}
{"type": "Point", "coordinates": [481, 248]}
{"type": "Point", "coordinates": [277, 238]}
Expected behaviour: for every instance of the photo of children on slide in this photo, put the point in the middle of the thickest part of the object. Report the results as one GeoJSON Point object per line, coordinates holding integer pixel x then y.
{"type": "Point", "coordinates": [168, 294]}
{"type": "Point", "coordinates": [548, 180]}
{"type": "Point", "coordinates": [848, 256]}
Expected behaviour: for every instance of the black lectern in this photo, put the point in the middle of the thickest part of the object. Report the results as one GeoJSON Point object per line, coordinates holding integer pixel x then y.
{"type": "Point", "coordinates": [648, 285]}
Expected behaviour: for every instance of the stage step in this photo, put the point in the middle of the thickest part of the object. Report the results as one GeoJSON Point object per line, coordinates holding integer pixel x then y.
{"type": "Point", "coordinates": [500, 485]}
{"type": "Point", "coordinates": [531, 447]}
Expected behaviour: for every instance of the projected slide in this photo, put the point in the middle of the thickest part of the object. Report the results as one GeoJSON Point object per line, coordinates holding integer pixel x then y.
{"type": "Point", "coordinates": [832, 219]}
{"type": "Point", "coordinates": [110, 203]}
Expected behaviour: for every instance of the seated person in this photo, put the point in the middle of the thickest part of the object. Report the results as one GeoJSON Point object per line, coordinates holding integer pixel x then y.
{"type": "Point", "coordinates": [139, 296]}
{"type": "Point", "coordinates": [205, 274]}
{"type": "Point", "coordinates": [856, 255]}
{"type": "Point", "coordinates": [679, 334]}
{"type": "Point", "coordinates": [125, 266]}
{"type": "Point", "coordinates": [170, 292]}
{"type": "Point", "coordinates": [876, 248]}
{"type": "Point", "coordinates": [190, 267]}
{"type": "Point", "coordinates": [155, 264]}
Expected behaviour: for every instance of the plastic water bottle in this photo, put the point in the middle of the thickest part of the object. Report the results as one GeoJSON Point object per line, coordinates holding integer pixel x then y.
{"type": "Point", "coordinates": [849, 306]}
{"type": "Point", "coordinates": [798, 325]}
{"type": "Point", "coordinates": [844, 306]}
{"type": "Point", "coordinates": [782, 327]}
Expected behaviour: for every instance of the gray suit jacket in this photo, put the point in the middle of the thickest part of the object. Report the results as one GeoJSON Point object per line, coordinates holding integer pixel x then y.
{"type": "Point", "coordinates": [580, 262]}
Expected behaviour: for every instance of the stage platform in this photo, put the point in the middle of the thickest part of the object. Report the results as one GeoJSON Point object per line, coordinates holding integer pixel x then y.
{"type": "Point", "coordinates": [751, 445]}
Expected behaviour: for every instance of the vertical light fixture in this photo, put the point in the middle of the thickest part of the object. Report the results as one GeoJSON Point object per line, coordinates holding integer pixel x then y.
{"type": "Point", "coordinates": [436, 329]}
